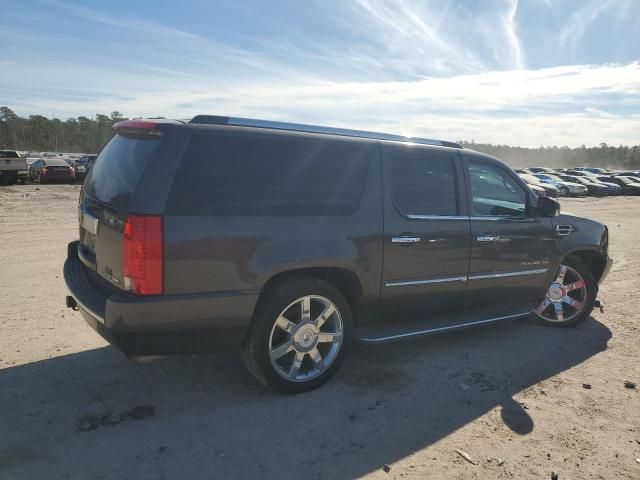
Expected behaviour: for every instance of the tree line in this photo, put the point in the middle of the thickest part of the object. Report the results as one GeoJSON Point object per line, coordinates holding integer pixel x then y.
{"type": "Point", "coordinates": [86, 135]}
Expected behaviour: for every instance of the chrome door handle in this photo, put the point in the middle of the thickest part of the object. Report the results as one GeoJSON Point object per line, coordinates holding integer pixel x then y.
{"type": "Point", "coordinates": [488, 238]}
{"type": "Point", "coordinates": [405, 239]}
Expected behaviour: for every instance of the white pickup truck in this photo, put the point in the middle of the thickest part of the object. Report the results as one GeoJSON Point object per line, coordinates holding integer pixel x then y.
{"type": "Point", "coordinates": [13, 168]}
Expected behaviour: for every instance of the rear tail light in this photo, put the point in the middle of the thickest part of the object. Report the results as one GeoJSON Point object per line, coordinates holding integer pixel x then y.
{"type": "Point", "coordinates": [142, 254]}
{"type": "Point", "coordinates": [44, 170]}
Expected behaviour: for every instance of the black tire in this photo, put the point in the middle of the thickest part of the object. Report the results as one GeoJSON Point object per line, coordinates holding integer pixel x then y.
{"type": "Point", "coordinates": [256, 344]}
{"type": "Point", "coordinates": [591, 291]}
{"type": "Point", "coordinates": [564, 192]}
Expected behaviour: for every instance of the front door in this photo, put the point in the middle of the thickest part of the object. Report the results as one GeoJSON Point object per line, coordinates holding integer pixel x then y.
{"type": "Point", "coordinates": [511, 246]}
{"type": "Point", "coordinates": [426, 232]}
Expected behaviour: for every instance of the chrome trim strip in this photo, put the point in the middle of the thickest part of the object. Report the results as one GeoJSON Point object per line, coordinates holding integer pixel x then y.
{"type": "Point", "coordinates": [442, 329]}
{"type": "Point", "coordinates": [300, 127]}
{"type": "Point", "coordinates": [403, 283]}
{"type": "Point", "coordinates": [437, 217]}
{"type": "Point", "coordinates": [497, 219]}
{"type": "Point", "coordinates": [406, 283]}
{"type": "Point", "coordinates": [87, 309]}
{"type": "Point", "coordinates": [508, 274]}
{"type": "Point", "coordinates": [405, 239]}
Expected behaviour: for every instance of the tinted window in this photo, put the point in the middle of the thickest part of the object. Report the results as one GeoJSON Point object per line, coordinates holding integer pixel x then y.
{"type": "Point", "coordinates": [424, 183]}
{"type": "Point", "coordinates": [118, 169]}
{"type": "Point", "coordinates": [238, 175]}
{"type": "Point", "coordinates": [494, 192]}
{"type": "Point", "coordinates": [9, 154]}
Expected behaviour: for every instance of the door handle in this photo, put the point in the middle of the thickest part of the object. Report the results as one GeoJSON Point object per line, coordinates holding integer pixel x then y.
{"type": "Point", "coordinates": [409, 240]}
{"type": "Point", "coordinates": [488, 238]}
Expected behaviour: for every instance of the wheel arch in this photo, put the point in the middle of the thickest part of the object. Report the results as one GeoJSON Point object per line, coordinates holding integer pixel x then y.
{"type": "Point", "coordinates": [594, 259]}
{"type": "Point", "coordinates": [345, 280]}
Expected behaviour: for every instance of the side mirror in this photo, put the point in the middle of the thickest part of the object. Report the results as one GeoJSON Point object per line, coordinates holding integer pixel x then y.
{"type": "Point", "coordinates": [547, 207]}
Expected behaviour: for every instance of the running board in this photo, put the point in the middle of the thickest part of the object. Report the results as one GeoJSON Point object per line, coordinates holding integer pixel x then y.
{"type": "Point", "coordinates": [439, 324]}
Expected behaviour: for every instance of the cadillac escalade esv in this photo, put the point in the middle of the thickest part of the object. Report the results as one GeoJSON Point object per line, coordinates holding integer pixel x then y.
{"type": "Point", "coordinates": [298, 239]}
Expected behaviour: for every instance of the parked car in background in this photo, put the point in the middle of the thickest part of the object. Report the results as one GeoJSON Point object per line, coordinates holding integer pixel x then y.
{"type": "Point", "coordinates": [595, 189]}
{"type": "Point", "coordinates": [595, 170]}
{"type": "Point", "coordinates": [52, 170]}
{"type": "Point", "coordinates": [84, 165]}
{"type": "Point", "coordinates": [629, 173]}
{"type": "Point", "coordinates": [613, 188]}
{"type": "Point", "coordinates": [628, 186]}
{"type": "Point", "coordinates": [417, 237]}
{"type": "Point", "coordinates": [550, 190]}
{"type": "Point", "coordinates": [541, 170]}
{"type": "Point", "coordinates": [565, 188]}
{"type": "Point", "coordinates": [13, 167]}
{"type": "Point", "coordinates": [537, 189]}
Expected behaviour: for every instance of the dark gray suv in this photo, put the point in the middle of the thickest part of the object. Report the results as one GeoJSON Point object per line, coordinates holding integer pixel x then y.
{"type": "Point", "coordinates": [298, 239]}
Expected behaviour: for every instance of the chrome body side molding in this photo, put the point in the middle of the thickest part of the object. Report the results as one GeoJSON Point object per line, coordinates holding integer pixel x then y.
{"type": "Point", "coordinates": [464, 278]}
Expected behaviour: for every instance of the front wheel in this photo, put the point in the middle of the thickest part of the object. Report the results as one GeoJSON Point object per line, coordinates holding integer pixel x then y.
{"type": "Point", "coordinates": [299, 336]}
{"type": "Point", "coordinates": [564, 192]}
{"type": "Point", "coordinates": [570, 297]}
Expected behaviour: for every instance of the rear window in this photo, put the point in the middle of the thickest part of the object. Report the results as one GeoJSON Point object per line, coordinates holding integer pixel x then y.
{"type": "Point", "coordinates": [228, 175]}
{"type": "Point", "coordinates": [9, 154]}
{"type": "Point", "coordinates": [50, 162]}
{"type": "Point", "coordinates": [118, 169]}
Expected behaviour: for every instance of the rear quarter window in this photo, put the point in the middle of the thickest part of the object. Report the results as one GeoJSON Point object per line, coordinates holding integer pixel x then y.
{"type": "Point", "coordinates": [118, 169]}
{"type": "Point", "coordinates": [236, 175]}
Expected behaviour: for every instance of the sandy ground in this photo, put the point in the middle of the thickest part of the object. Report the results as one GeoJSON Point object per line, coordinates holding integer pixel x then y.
{"type": "Point", "coordinates": [72, 407]}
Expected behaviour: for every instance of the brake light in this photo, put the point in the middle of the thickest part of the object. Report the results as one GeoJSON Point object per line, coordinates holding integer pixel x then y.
{"type": "Point", "coordinates": [137, 128]}
{"type": "Point", "coordinates": [44, 170]}
{"type": "Point", "coordinates": [137, 124]}
{"type": "Point", "coordinates": [142, 254]}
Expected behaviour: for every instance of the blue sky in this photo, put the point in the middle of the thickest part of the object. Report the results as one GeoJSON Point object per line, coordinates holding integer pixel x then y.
{"type": "Point", "coordinates": [536, 72]}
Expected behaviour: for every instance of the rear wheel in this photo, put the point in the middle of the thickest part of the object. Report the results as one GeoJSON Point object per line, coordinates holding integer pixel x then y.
{"type": "Point", "coordinates": [570, 297]}
{"type": "Point", "coordinates": [564, 191]}
{"type": "Point", "coordinates": [300, 334]}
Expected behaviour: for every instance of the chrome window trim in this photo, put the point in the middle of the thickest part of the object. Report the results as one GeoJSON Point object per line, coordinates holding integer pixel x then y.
{"type": "Point", "coordinates": [508, 274]}
{"type": "Point", "coordinates": [441, 329]}
{"type": "Point", "coordinates": [405, 283]}
{"type": "Point", "coordinates": [464, 278]}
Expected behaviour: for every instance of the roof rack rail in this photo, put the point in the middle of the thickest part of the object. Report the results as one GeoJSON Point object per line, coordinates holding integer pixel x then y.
{"type": "Point", "coordinates": [299, 127]}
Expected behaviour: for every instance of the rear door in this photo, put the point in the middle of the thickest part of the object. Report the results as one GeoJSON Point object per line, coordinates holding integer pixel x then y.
{"type": "Point", "coordinates": [511, 247]}
{"type": "Point", "coordinates": [426, 232]}
{"type": "Point", "coordinates": [111, 190]}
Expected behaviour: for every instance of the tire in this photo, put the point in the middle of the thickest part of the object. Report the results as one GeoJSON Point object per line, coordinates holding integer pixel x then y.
{"type": "Point", "coordinates": [313, 354]}
{"type": "Point", "coordinates": [585, 296]}
{"type": "Point", "coordinates": [564, 192]}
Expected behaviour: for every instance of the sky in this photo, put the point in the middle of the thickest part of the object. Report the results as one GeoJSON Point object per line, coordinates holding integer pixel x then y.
{"type": "Point", "coordinates": [529, 73]}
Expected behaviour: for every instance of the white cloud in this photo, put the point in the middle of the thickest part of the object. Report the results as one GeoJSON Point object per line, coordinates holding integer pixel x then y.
{"type": "Point", "coordinates": [562, 105]}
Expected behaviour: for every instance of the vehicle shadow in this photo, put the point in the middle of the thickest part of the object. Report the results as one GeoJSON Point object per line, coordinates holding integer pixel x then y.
{"type": "Point", "coordinates": [75, 415]}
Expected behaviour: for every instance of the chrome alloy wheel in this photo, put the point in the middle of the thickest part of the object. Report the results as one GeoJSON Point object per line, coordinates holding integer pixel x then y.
{"type": "Point", "coordinates": [566, 297]}
{"type": "Point", "coordinates": [305, 338]}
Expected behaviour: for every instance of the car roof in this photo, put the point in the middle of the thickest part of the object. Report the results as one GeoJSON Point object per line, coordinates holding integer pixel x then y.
{"type": "Point", "coordinates": [55, 162]}
{"type": "Point", "coordinates": [301, 127]}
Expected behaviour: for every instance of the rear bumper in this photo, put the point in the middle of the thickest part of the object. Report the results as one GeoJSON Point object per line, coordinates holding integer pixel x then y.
{"type": "Point", "coordinates": [159, 324]}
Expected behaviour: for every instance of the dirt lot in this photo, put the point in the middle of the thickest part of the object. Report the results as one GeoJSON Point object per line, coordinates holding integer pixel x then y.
{"type": "Point", "coordinates": [72, 407]}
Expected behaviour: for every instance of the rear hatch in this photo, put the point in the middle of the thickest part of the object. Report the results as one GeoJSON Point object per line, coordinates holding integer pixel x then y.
{"type": "Point", "coordinates": [58, 169]}
{"type": "Point", "coordinates": [107, 196]}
